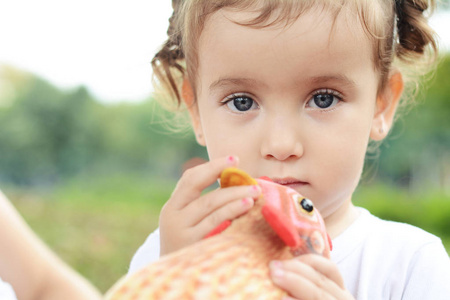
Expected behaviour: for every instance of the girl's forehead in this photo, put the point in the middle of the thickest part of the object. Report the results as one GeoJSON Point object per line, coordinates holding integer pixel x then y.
{"type": "Point", "coordinates": [250, 19]}
{"type": "Point", "coordinates": [266, 14]}
{"type": "Point", "coordinates": [369, 20]}
{"type": "Point", "coordinates": [279, 18]}
{"type": "Point", "coordinates": [337, 23]}
{"type": "Point", "coordinates": [315, 41]}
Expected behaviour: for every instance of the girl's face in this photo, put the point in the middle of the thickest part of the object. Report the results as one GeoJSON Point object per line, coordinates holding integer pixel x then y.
{"type": "Point", "coordinates": [295, 104]}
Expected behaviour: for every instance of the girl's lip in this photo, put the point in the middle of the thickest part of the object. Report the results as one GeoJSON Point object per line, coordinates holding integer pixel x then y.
{"type": "Point", "coordinates": [289, 181]}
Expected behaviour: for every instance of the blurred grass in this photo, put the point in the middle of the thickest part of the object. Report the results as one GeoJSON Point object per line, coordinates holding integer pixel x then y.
{"type": "Point", "coordinates": [96, 225]}
{"type": "Point", "coordinates": [429, 210]}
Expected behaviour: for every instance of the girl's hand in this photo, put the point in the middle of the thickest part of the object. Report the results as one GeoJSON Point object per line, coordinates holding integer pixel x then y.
{"type": "Point", "coordinates": [188, 216]}
{"type": "Point", "coordinates": [309, 276]}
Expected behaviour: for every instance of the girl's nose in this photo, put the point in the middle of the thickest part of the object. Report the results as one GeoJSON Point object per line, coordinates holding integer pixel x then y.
{"type": "Point", "coordinates": [281, 142]}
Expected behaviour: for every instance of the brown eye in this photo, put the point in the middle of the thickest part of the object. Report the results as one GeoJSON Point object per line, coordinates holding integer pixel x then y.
{"type": "Point", "coordinates": [307, 205]}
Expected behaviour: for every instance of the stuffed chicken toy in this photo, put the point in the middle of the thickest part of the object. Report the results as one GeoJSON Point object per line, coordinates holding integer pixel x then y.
{"type": "Point", "coordinates": [232, 262]}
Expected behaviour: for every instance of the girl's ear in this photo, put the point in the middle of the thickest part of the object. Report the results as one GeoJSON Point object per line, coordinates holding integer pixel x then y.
{"type": "Point", "coordinates": [188, 97]}
{"type": "Point", "coordinates": [387, 102]}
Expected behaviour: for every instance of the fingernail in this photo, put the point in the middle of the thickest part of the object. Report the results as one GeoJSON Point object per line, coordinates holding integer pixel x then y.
{"type": "Point", "coordinates": [275, 264]}
{"type": "Point", "coordinates": [231, 160]}
{"type": "Point", "coordinates": [255, 190]}
{"type": "Point", "coordinates": [276, 270]}
{"type": "Point", "coordinates": [247, 201]}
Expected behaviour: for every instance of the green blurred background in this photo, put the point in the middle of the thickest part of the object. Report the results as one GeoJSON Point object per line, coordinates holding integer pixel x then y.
{"type": "Point", "coordinates": [90, 178]}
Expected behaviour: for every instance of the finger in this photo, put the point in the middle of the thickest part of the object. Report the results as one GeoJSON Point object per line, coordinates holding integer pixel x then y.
{"type": "Point", "coordinates": [301, 281]}
{"type": "Point", "coordinates": [207, 204]}
{"type": "Point", "coordinates": [324, 266]}
{"type": "Point", "coordinates": [195, 180]}
{"type": "Point", "coordinates": [227, 212]}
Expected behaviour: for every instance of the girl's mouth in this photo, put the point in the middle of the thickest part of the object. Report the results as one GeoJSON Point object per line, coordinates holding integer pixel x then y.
{"type": "Point", "coordinates": [291, 182]}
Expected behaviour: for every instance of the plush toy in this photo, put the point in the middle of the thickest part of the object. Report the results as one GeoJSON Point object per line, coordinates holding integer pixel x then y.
{"type": "Point", "coordinates": [233, 261]}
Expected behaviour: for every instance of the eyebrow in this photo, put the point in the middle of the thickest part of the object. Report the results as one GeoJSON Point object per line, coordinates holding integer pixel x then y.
{"type": "Point", "coordinates": [340, 78]}
{"type": "Point", "coordinates": [224, 82]}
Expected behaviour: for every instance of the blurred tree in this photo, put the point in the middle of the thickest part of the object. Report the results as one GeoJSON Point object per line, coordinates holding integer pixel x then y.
{"type": "Point", "coordinates": [47, 134]}
{"type": "Point", "coordinates": [417, 152]}
{"type": "Point", "coordinates": [443, 4]}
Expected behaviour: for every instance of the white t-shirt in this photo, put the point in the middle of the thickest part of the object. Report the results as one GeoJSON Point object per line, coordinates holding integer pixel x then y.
{"type": "Point", "coordinates": [6, 291]}
{"type": "Point", "coordinates": [388, 260]}
{"type": "Point", "coordinates": [378, 260]}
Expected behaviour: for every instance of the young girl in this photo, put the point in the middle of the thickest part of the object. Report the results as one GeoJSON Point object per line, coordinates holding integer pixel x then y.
{"type": "Point", "coordinates": [296, 90]}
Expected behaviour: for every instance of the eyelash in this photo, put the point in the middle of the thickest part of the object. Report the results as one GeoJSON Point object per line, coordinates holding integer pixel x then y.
{"type": "Point", "coordinates": [234, 96]}
{"type": "Point", "coordinates": [331, 92]}
{"type": "Point", "coordinates": [328, 91]}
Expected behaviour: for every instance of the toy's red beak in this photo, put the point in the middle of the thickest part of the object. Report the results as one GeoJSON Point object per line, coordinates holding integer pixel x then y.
{"type": "Point", "coordinates": [282, 226]}
{"type": "Point", "coordinates": [288, 233]}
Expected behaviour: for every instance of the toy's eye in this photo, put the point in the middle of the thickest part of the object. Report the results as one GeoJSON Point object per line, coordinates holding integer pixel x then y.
{"type": "Point", "coordinates": [307, 205]}
{"type": "Point", "coordinates": [304, 207]}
